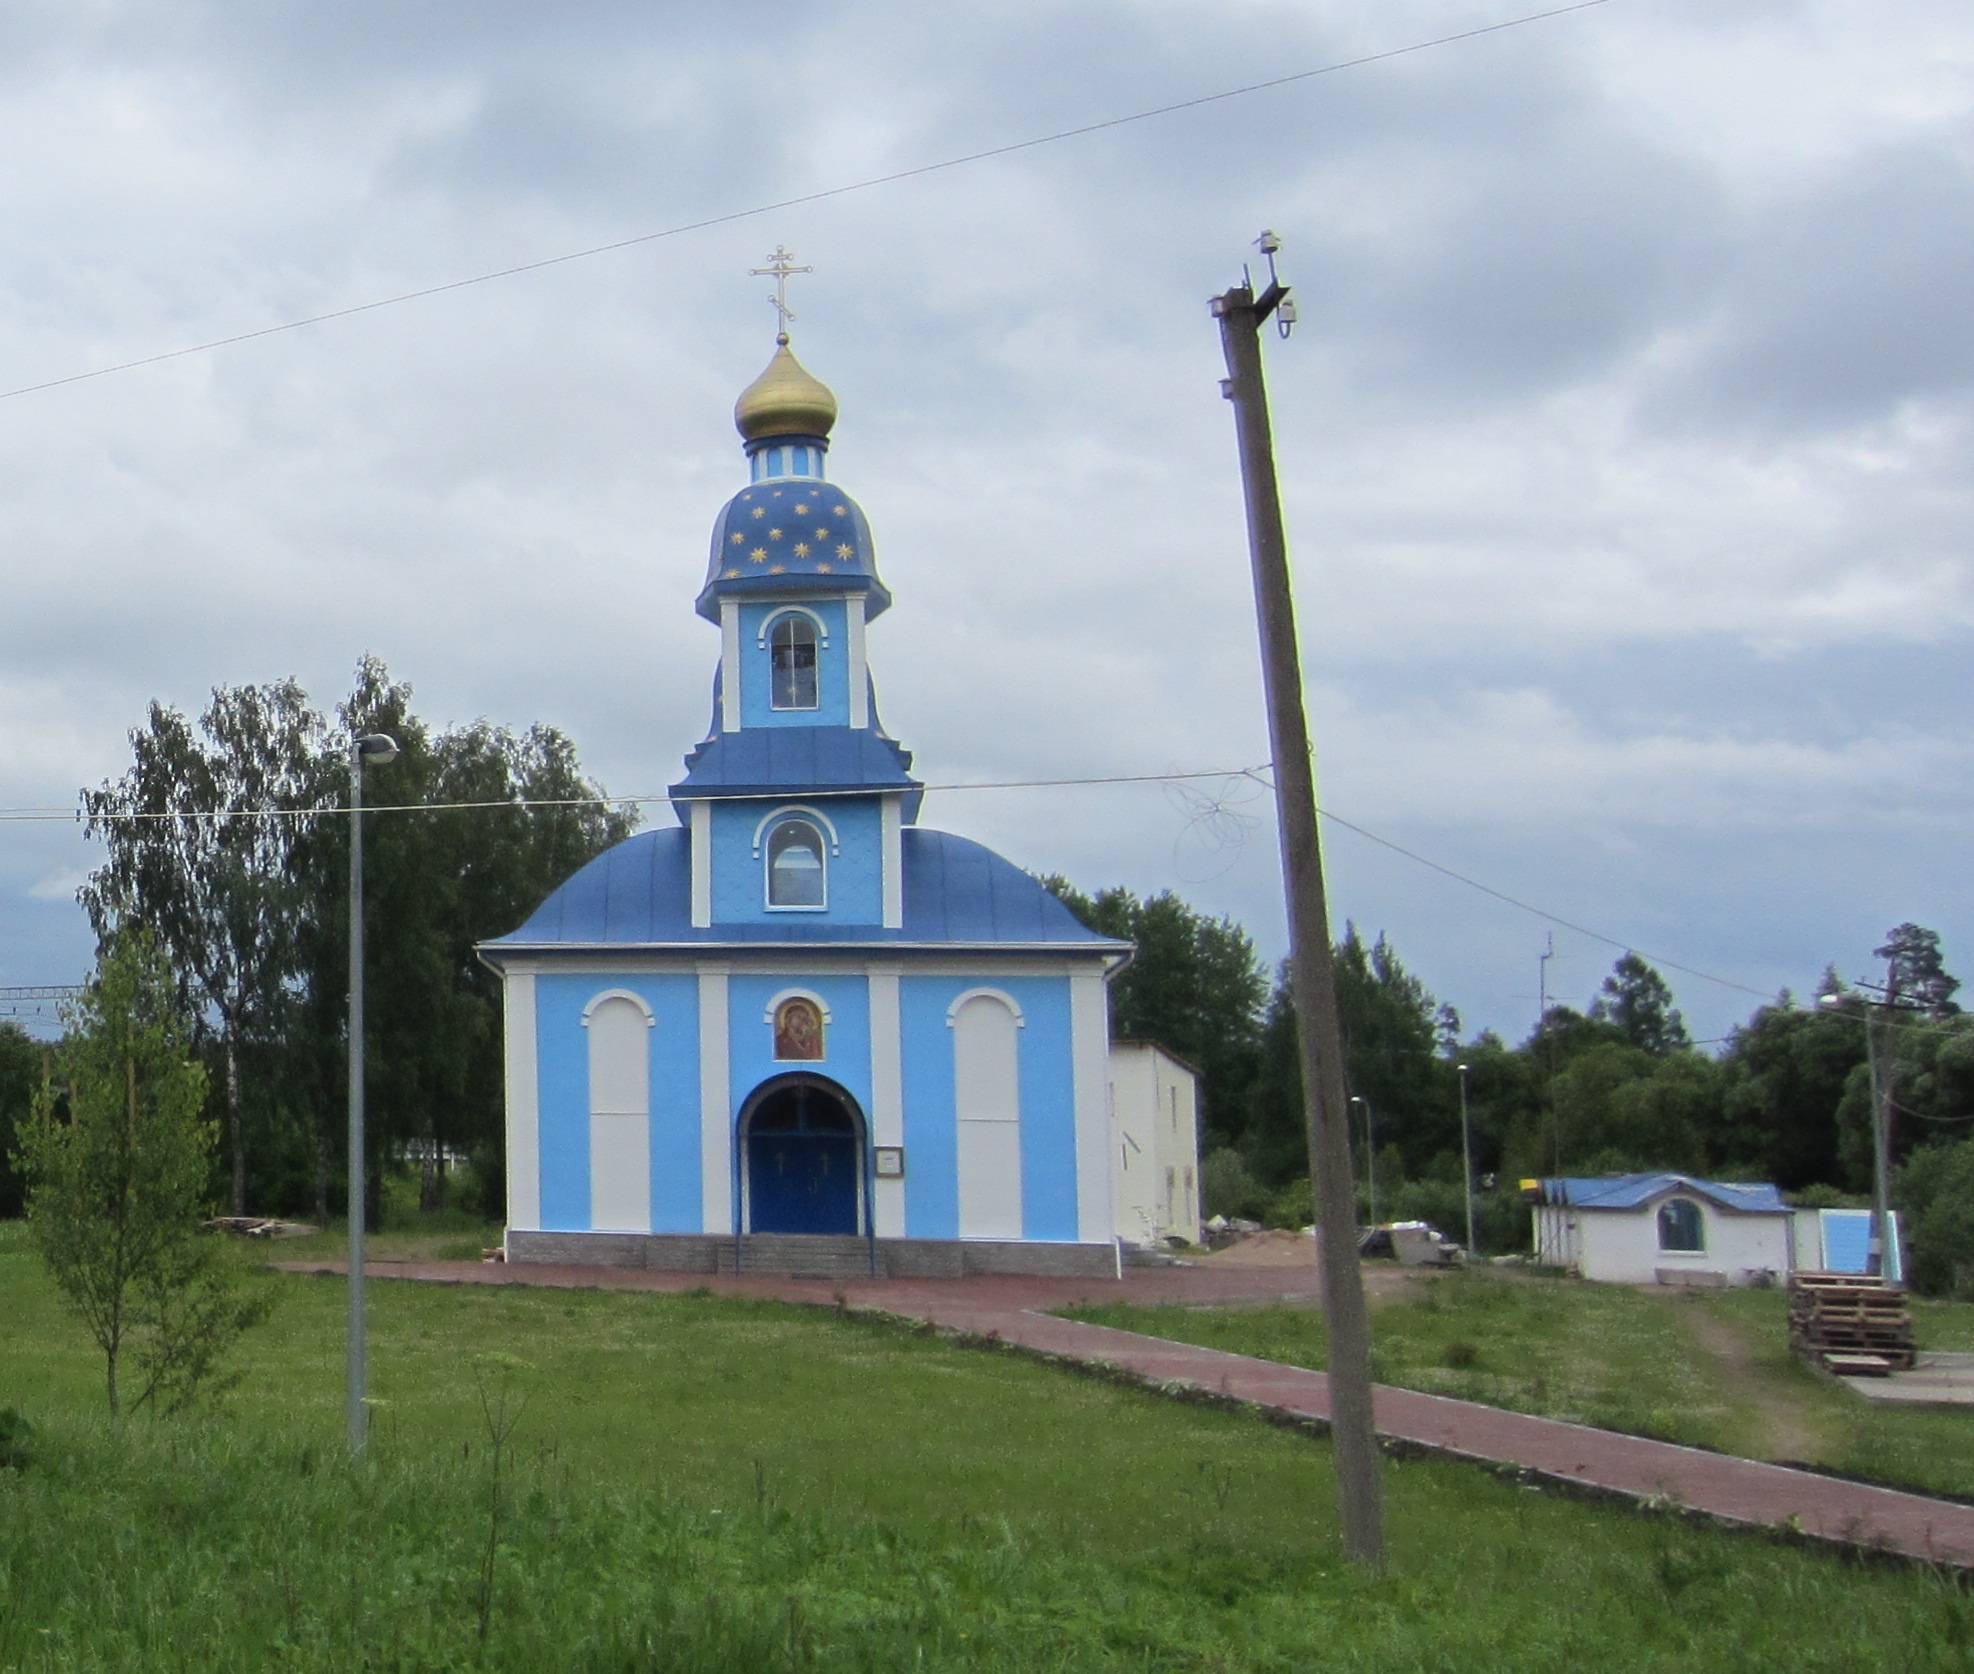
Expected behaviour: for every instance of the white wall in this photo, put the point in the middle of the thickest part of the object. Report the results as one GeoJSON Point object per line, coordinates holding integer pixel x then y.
{"type": "Point", "coordinates": [1621, 1246]}
{"type": "Point", "coordinates": [1154, 1100]}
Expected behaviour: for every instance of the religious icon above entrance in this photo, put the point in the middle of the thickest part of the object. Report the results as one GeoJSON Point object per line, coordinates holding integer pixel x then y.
{"type": "Point", "coordinates": [798, 1031]}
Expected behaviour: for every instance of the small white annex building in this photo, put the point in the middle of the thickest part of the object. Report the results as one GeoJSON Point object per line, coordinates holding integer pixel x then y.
{"type": "Point", "coordinates": [1641, 1229]}
{"type": "Point", "coordinates": [1154, 1107]}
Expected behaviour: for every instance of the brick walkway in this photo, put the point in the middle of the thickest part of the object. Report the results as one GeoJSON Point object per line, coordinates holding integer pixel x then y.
{"type": "Point", "coordinates": [1628, 1467]}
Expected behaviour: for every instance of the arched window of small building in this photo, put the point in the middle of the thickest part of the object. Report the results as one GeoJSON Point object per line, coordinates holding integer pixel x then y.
{"type": "Point", "coordinates": [619, 1113]}
{"type": "Point", "coordinates": [798, 1030]}
{"type": "Point", "coordinates": [792, 650]}
{"type": "Point", "coordinates": [987, 1101]}
{"type": "Point", "coordinates": [1680, 1226]}
{"type": "Point", "coordinates": [795, 866]}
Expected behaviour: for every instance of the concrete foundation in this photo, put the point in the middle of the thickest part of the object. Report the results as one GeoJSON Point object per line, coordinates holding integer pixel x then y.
{"type": "Point", "coordinates": [810, 1256]}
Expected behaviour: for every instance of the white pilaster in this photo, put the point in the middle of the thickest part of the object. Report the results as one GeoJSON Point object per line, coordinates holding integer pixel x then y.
{"type": "Point", "coordinates": [729, 665]}
{"type": "Point", "coordinates": [700, 836]}
{"type": "Point", "coordinates": [853, 645]}
{"type": "Point", "coordinates": [892, 847]}
{"type": "Point", "coordinates": [523, 1103]}
{"type": "Point", "coordinates": [715, 1122]}
{"type": "Point", "coordinates": [1089, 1050]}
{"type": "Point", "coordinates": [887, 1097]}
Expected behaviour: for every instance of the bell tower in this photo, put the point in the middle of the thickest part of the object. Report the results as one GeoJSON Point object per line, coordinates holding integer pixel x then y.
{"type": "Point", "coordinates": [796, 800]}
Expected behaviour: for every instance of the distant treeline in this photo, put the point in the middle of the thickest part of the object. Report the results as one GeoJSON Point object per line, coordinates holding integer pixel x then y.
{"type": "Point", "coordinates": [1617, 1088]}
{"type": "Point", "coordinates": [251, 910]}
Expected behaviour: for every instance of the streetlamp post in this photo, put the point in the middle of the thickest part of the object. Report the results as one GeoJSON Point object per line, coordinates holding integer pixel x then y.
{"type": "Point", "coordinates": [1467, 1161]}
{"type": "Point", "coordinates": [375, 748]}
{"type": "Point", "coordinates": [1370, 1154]}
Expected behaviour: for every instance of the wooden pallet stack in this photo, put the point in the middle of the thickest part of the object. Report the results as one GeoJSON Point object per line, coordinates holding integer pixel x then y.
{"type": "Point", "coordinates": [1852, 1324]}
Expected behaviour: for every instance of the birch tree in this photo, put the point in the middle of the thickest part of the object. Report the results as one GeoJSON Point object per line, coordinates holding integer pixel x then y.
{"type": "Point", "coordinates": [215, 885]}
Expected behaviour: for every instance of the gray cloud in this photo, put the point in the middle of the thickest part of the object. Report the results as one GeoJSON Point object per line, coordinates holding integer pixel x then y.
{"type": "Point", "coordinates": [1624, 441]}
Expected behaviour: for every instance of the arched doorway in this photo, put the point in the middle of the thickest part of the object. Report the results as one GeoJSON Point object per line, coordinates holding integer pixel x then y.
{"type": "Point", "coordinates": [802, 1158]}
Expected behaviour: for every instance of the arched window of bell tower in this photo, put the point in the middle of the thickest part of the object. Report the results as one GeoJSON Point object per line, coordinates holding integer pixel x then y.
{"type": "Point", "coordinates": [792, 657]}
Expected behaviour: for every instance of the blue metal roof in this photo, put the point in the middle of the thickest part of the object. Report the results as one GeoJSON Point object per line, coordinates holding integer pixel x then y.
{"type": "Point", "coordinates": [782, 761]}
{"type": "Point", "coordinates": [1631, 1191]}
{"type": "Point", "coordinates": [638, 894]}
{"type": "Point", "coordinates": [797, 531]}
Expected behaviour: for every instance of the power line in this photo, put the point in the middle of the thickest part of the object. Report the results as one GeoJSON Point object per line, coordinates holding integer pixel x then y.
{"type": "Point", "coordinates": [332, 810]}
{"type": "Point", "coordinates": [522, 804]}
{"type": "Point", "coordinates": [731, 216]}
{"type": "Point", "coordinates": [1542, 912]}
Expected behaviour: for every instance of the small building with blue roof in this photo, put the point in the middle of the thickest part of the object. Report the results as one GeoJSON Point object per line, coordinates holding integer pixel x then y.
{"type": "Point", "coordinates": [1664, 1228]}
{"type": "Point", "coordinates": [800, 1031]}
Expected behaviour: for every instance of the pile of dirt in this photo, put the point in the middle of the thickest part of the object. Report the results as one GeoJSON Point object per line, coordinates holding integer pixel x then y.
{"type": "Point", "coordinates": [1267, 1249]}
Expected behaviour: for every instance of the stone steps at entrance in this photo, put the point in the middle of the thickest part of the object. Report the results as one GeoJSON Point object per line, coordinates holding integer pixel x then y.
{"type": "Point", "coordinates": [800, 1255]}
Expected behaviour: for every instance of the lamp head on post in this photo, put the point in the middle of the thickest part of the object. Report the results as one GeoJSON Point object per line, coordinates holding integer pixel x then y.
{"type": "Point", "coordinates": [375, 749]}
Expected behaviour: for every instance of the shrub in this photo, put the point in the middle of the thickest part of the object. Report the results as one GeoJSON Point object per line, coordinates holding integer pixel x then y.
{"type": "Point", "coordinates": [1228, 1187]}
{"type": "Point", "coordinates": [15, 1435]}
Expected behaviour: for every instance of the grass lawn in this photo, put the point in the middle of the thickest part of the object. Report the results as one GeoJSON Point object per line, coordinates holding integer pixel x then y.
{"type": "Point", "coordinates": [699, 1483]}
{"type": "Point", "coordinates": [1707, 1368]}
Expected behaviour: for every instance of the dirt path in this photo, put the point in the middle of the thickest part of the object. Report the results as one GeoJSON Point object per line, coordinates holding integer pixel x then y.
{"type": "Point", "coordinates": [1780, 1425]}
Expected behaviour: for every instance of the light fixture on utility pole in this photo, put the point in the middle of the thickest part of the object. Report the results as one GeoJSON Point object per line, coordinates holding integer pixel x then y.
{"type": "Point", "coordinates": [1467, 1162]}
{"type": "Point", "coordinates": [374, 749]}
{"type": "Point", "coordinates": [1370, 1156]}
{"type": "Point", "coordinates": [1311, 963]}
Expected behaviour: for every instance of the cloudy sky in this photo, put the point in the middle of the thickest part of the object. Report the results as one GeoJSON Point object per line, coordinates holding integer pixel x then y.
{"type": "Point", "coordinates": [1625, 437]}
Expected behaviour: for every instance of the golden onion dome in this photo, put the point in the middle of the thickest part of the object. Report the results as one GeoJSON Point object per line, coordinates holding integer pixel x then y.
{"type": "Point", "coordinates": [784, 401]}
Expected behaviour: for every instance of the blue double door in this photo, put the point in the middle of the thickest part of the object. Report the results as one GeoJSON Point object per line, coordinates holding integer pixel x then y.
{"type": "Point", "coordinates": [805, 1158]}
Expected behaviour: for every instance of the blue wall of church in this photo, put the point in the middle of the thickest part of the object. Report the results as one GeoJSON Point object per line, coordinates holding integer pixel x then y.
{"type": "Point", "coordinates": [1046, 1071]}
{"type": "Point", "coordinates": [562, 1047]}
{"type": "Point", "coordinates": [846, 1036]}
{"type": "Point", "coordinates": [832, 668]}
{"type": "Point", "coordinates": [1048, 1106]}
{"type": "Point", "coordinates": [855, 878]}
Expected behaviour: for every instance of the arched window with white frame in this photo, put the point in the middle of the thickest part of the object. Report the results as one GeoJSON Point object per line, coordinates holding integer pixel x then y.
{"type": "Point", "coordinates": [792, 663]}
{"type": "Point", "coordinates": [797, 872]}
{"type": "Point", "coordinates": [987, 1103]}
{"type": "Point", "coordinates": [619, 1026]}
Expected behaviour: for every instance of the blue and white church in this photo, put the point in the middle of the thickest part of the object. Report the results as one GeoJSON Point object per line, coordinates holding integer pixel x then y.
{"type": "Point", "coordinates": [800, 1031]}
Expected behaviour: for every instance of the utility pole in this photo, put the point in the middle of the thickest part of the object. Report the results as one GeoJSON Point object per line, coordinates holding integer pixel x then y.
{"type": "Point", "coordinates": [1882, 1055]}
{"type": "Point", "coordinates": [1883, 1063]}
{"type": "Point", "coordinates": [1352, 1424]}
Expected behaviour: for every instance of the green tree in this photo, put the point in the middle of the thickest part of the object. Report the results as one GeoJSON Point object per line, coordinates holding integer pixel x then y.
{"type": "Point", "coordinates": [1783, 1075]}
{"type": "Point", "coordinates": [480, 824]}
{"type": "Point", "coordinates": [1932, 1064]}
{"type": "Point", "coordinates": [1196, 987]}
{"type": "Point", "coordinates": [1636, 999]}
{"type": "Point", "coordinates": [1620, 1108]}
{"type": "Point", "coordinates": [20, 1074]}
{"type": "Point", "coordinates": [217, 887]}
{"type": "Point", "coordinates": [255, 909]}
{"type": "Point", "coordinates": [1915, 971]}
{"type": "Point", "coordinates": [117, 1157]}
{"type": "Point", "coordinates": [1935, 1192]}
{"type": "Point", "coordinates": [1393, 1032]}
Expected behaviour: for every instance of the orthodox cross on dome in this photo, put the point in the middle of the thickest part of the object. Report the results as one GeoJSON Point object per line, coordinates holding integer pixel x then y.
{"type": "Point", "coordinates": [780, 265]}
